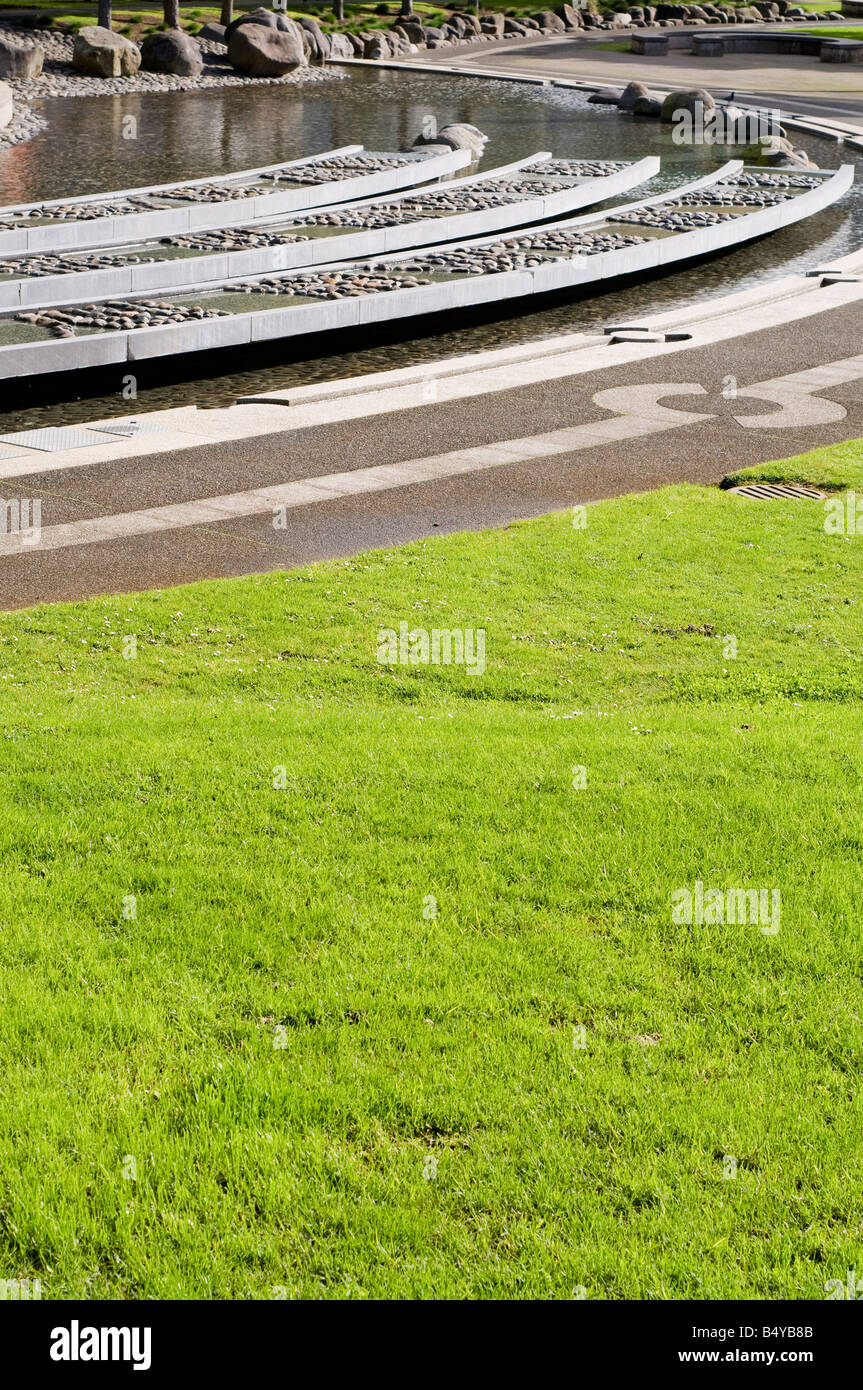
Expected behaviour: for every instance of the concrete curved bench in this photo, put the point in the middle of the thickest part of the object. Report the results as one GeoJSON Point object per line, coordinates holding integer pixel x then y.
{"type": "Point", "coordinates": [710, 44]}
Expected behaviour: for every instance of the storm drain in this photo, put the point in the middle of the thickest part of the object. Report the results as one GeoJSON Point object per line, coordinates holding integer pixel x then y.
{"type": "Point", "coordinates": [778, 491]}
{"type": "Point", "coordinates": [53, 439]}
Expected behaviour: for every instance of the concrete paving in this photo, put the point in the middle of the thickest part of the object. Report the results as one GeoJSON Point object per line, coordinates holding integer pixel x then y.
{"type": "Point", "coordinates": [387, 474]}
{"type": "Point", "coordinates": [799, 83]}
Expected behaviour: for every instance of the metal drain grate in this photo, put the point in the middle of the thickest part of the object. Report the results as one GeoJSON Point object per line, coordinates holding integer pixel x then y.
{"type": "Point", "coordinates": [52, 439]}
{"type": "Point", "coordinates": [779, 491]}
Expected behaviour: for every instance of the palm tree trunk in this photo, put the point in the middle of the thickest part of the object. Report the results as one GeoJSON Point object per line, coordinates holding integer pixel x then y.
{"type": "Point", "coordinates": [339, 10]}
{"type": "Point", "coordinates": [104, 20]}
{"type": "Point", "coordinates": [172, 13]}
{"type": "Point", "coordinates": [227, 15]}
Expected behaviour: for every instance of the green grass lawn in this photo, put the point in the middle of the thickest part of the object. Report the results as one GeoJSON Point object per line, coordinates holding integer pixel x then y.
{"type": "Point", "coordinates": [838, 33]}
{"type": "Point", "coordinates": [415, 1021]}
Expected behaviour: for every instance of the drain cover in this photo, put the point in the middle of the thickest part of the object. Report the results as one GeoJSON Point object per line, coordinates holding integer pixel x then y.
{"type": "Point", "coordinates": [766, 491]}
{"type": "Point", "coordinates": [128, 427]}
{"type": "Point", "coordinates": [52, 439]}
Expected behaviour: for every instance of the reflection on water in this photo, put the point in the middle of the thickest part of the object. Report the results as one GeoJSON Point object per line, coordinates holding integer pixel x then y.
{"type": "Point", "coordinates": [195, 134]}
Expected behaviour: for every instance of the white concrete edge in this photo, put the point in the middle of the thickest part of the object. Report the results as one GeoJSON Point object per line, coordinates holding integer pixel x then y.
{"type": "Point", "coordinates": [240, 176]}
{"type": "Point", "coordinates": [189, 273]}
{"type": "Point", "coordinates": [257, 326]}
{"type": "Point", "coordinates": [185, 427]}
{"type": "Point", "coordinates": [141, 226]}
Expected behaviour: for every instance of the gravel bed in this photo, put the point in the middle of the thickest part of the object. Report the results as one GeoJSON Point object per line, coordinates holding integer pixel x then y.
{"type": "Point", "coordinates": [322, 170]}
{"type": "Point", "coordinates": [524, 254]}
{"type": "Point", "coordinates": [34, 267]}
{"type": "Point", "coordinates": [673, 219]}
{"type": "Point", "coordinates": [59, 78]}
{"type": "Point", "coordinates": [25, 123]}
{"type": "Point", "coordinates": [231, 239]}
{"type": "Point", "coordinates": [331, 284]}
{"type": "Point", "coordinates": [117, 314]}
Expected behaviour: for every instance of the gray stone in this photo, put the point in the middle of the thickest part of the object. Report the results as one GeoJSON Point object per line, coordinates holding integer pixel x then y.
{"type": "Point", "coordinates": [18, 59]}
{"type": "Point", "coordinates": [547, 19]}
{"type": "Point", "coordinates": [631, 94]}
{"type": "Point", "coordinates": [456, 137]}
{"type": "Point", "coordinates": [605, 96]}
{"type": "Point", "coordinates": [104, 54]}
{"type": "Point", "coordinates": [171, 51]}
{"type": "Point", "coordinates": [341, 46]}
{"type": "Point", "coordinates": [693, 101]}
{"type": "Point", "coordinates": [647, 106]}
{"type": "Point", "coordinates": [377, 47]}
{"type": "Point", "coordinates": [260, 51]}
{"type": "Point", "coordinates": [212, 32]}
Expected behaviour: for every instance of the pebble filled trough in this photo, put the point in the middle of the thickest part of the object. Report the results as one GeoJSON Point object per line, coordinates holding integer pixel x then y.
{"type": "Point", "coordinates": [662, 231]}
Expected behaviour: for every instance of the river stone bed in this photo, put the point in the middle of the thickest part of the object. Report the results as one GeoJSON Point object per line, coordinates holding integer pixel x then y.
{"type": "Point", "coordinates": [744, 198]}
{"type": "Point", "coordinates": [60, 79]}
{"type": "Point", "coordinates": [329, 284]}
{"type": "Point", "coordinates": [578, 168]}
{"type": "Point", "coordinates": [476, 198]}
{"type": "Point", "coordinates": [344, 164]}
{"type": "Point", "coordinates": [79, 212]}
{"type": "Point", "coordinates": [230, 239]}
{"type": "Point", "coordinates": [33, 267]}
{"type": "Point", "coordinates": [772, 181]}
{"type": "Point", "coordinates": [117, 314]}
{"type": "Point", "coordinates": [672, 219]}
{"type": "Point", "coordinates": [524, 254]}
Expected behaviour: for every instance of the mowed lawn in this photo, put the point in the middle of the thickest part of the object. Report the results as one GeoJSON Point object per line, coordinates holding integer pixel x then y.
{"type": "Point", "coordinates": [242, 1057]}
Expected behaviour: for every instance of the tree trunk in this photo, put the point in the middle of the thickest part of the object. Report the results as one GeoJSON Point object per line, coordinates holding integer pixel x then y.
{"type": "Point", "coordinates": [407, 9]}
{"type": "Point", "coordinates": [104, 20]}
{"type": "Point", "coordinates": [339, 10]}
{"type": "Point", "coordinates": [172, 13]}
{"type": "Point", "coordinates": [227, 15]}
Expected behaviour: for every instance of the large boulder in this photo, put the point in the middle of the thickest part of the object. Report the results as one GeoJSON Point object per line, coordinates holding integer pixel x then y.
{"type": "Point", "coordinates": [621, 20]}
{"type": "Point", "coordinates": [102, 53]}
{"type": "Point", "coordinates": [318, 41]}
{"type": "Point", "coordinates": [570, 16]}
{"type": "Point", "coordinates": [412, 29]}
{"type": "Point", "coordinates": [212, 32]}
{"type": "Point", "coordinates": [341, 46]}
{"type": "Point", "coordinates": [456, 137]}
{"type": "Point", "coordinates": [267, 19]}
{"type": "Point", "coordinates": [377, 46]}
{"type": "Point", "coordinates": [647, 106]}
{"type": "Point", "coordinates": [514, 26]}
{"type": "Point", "coordinates": [547, 19]}
{"type": "Point", "coordinates": [630, 95]}
{"type": "Point", "coordinates": [171, 51]}
{"type": "Point", "coordinates": [259, 51]}
{"type": "Point", "coordinates": [20, 59]}
{"type": "Point", "coordinates": [493, 24]}
{"type": "Point", "coordinates": [698, 101]}
{"type": "Point", "coordinates": [604, 96]}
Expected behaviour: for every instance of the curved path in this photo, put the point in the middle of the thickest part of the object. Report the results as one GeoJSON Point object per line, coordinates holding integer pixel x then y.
{"type": "Point", "coordinates": [333, 469]}
{"type": "Point", "coordinates": [798, 83]}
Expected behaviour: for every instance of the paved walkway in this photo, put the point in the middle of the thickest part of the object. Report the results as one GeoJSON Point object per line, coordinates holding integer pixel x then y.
{"type": "Point", "coordinates": [475, 448]}
{"type": "Point", "coordinates": [801, 84]}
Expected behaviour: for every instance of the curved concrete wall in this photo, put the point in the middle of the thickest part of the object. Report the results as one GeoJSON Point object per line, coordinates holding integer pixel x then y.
{"type": "Point", "coordinates": [198, 272]}
{"type": "Point", "coordinates": [141, 226]}
{"type": "Point", "coordinates": [269, 324]}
